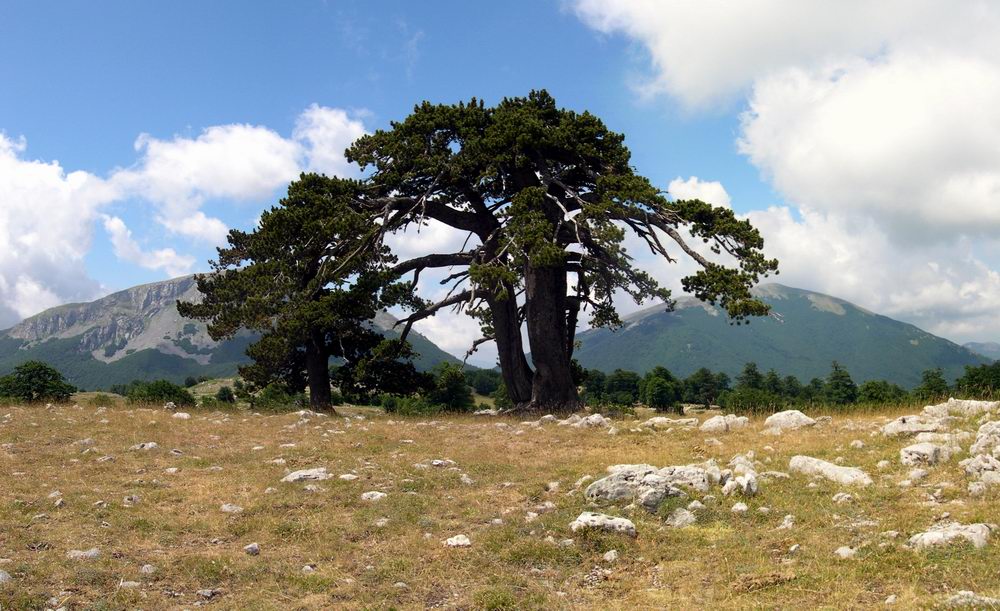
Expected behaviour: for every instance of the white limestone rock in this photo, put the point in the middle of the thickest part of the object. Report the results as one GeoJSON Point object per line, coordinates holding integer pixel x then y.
{"type": "Point", "coordinates": [589, 520]}
{"type": "Point", "coordinates": [303, 475]}
{"type": "Point", "coordinates": [90, 554]}
{"type": "Point", "coordinates": [987, 440]}
{"type": "Point", "coordinates": [925, 453]}
{"type": "Point", "coordinates": [966, 599]}
{"type": "Point", "coordinates": [965, 408]}
{"type": "Point", "coordinates": [373, 496]}
{"type": "Point", "coordinates": [947, 533]}
{"type": "Point", "coordinates": [724, 424]}
{"type": "Point", "coordinates": [788, 420]}
{"type": "Point", "coordinates": [814, 467]}
{"type": "Point", "coordinates": [458, 541]}
{"type": "Point", "coordinates": [911, 425]}
{"type": "Point", "coordinates": [681, 518]}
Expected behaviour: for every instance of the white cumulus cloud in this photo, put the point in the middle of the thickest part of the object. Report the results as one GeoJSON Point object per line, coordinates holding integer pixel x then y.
{"type": "Point", "coordinates": [128, 249]}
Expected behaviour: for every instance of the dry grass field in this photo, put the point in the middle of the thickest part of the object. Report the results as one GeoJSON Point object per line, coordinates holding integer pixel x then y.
{"type": "Point", "coordinates": [322, 546]}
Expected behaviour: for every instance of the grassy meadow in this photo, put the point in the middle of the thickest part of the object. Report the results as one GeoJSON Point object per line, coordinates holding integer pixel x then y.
{"type": "Point", "coordinates": [321, 546]}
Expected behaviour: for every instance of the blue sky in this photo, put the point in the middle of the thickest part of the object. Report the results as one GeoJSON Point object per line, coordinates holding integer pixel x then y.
{"type": "Point", "coordinates": [80, 82]}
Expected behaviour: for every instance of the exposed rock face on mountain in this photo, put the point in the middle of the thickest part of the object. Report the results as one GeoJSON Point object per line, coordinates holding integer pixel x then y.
{"type": "Point", "coordinates": [138, 334]}
{"type": "Point", "coordinates": [990, 350]}
{"type": "Point", "coordinates": [805, 332]}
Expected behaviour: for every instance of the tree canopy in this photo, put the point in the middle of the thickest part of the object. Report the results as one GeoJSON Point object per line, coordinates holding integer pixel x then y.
{"type": "Point", "coordinates": [297, 280]}
{"type": "Point", "coordinates": [545, 197]}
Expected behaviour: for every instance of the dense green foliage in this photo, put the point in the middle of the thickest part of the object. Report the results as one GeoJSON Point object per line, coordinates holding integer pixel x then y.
{"type": "Point", "coordinates": [982, 381]}
{"type": "Point", "coordinates": [225, 395]}
{"type": "Point", "coordinates": [484, 381]}
{"type": "Point", "coordinates": [300, 280]}
{"type": "Point", "coordinates": [157, 391]}
{"type": "Point", "coordinates": [450, 389]}
{"type": "Point", "coordinates": [35, 381]}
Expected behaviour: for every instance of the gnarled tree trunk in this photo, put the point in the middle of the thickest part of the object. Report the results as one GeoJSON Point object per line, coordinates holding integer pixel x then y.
{"type": "Point", "coordinates": [552, 386]}
{"type": "Point", "coordinates": [507, 334]}
{"type": "Point", "coordinates": [318, 370]}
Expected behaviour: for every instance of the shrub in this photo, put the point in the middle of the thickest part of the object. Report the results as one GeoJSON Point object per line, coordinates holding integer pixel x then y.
{"type": "Point", "coordinates": [225, 395]}
{"type": "Point", "coordinates": [750, 400]}
{"type": "Point", "coordinates": [276, 398]}
{"type": "Point", "coordinates": [159, 391]}
{"type": "Point", "coordinates": [450, 390]}
{"type": "Point", "coordinates": [36, 381]}
{"type": "Point", "coordinates": [101, 400]}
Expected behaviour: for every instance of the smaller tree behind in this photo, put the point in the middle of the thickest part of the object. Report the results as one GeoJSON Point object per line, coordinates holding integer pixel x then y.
{"type": "Point", "coordinates": [932, 386]}
{"type": "Point", "coordinates": [36, 381]}
{"type": "Point", "coordinates": [450, 390]}
{"type": "Point", "coordinates": [840, 388]}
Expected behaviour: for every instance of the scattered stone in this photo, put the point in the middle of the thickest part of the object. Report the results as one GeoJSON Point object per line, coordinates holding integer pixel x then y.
{"type": "Point", "coordinates": [147, 445]}
{"type": "Point", "coordinates": [911, 425]}
{"type": "Point", "coordinates": [209, 594]}
{"type": "Point", "coordinates": [230, 508]}
{"type": "Point", "coordinates": [598, 521]}
{"type": "Point", "coordinates": [857, 444]}
{"type": "Point", "coordinates": [787, 523]}
{"type": "Point", "coordinates": [923, 454]}
{"type": "Point", "coordinates": [317, 474]}
{"type": "Point", "coordinates": [848, 476]}
{"type": "Point", "coordinates": [90, 554]}
{"type": "Point", "coordinates": [951, 532]}
{"type": "Point", "coordinates": [458, 541]}
{"type": "Point", "coordinates": [252, 550]}
{"type": "Point", "coordinates": [695, 506]}
{"type": "Point", "coordinates": [129, 585]}
{"type": "Point", "coordinates": [740, 508]}
{"type": "Point", "coordinates": [309, 569]}
{"type": "Point", "coordinates": [348, 477]}
{"type": "Point", "coordinates": [373, 496]}
{"type": "Point", "coordinates": [5, 577]}
{"type": "Point", "coordinates": [891, 599]}
{"type": "Point", "coordinates": [966, 598]}
{"type": "Point", "coordinates": [965, 408]}
{"type": "Point", "coordinates": [662, 422]}
{"type": "Point", "coordinates": [987, 440]}
{"type": "Point", "coordinates": [788, 420]}
{"type": "Point", "coordinates": [842, 497]}
{"type": "Point", "coordinates": [681, 518]}
{"type": "Point", "coordinates": [845, 552]}
{"type": "Point", "coordinates": [611, 556]}
{"type": "Point", "coordinates": [724, 424]}
{"type": "Point", "coordinates": [883, 465]}
{"type": "Point", "coordinates": [147, 569]}
{"type": "Point", "coordinates": [182, 416]}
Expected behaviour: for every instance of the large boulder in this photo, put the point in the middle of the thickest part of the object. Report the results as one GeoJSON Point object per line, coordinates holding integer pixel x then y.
{"type": "Point", "coordinates": [920, 454]}
{"type": "Point", "coordinates": [724, 424]}
{"type": "Point", "coordinates": [589, 520]}
{"type": "Point", "coordinates": [964, 408]}
{"type": "Point", "coordinates": [814, 467]}
{"type": "Point", "coordinates": [947, 533]}
{"type": "Point", "coordinates": [788, 420]}
{"type": "Point", "coordinates": [662, 422]}
{"type": "Point", "coordinates": [987, 440]}
{"type": "Point", "coordinates": [911, 425]}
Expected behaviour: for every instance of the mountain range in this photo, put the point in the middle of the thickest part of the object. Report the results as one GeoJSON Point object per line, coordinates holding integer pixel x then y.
{"type": "Point", "coordinates": [138, 334]}
{"type": "Point", "coordinates": [803, 335]}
